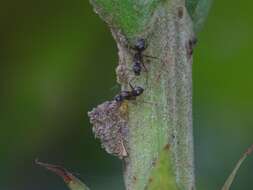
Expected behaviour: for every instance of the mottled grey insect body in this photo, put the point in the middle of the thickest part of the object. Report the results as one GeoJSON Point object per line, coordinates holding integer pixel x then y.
{"type": "Point", "coordinates": [110, 126]}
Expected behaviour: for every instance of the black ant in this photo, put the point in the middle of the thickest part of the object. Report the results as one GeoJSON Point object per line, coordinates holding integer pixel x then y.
{"type": "Point", "coordinates": [129, 95]}
{"type": "Point", "coordinates": [139, 47]}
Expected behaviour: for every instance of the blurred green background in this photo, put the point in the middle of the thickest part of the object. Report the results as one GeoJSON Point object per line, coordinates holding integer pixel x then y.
{"type": "Point", "coordinates": [57, 61]}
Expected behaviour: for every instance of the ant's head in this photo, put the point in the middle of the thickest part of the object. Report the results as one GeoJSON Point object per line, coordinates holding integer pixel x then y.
{"type": "Point", "coordinates": [118, 98]}
{"type": "Point", "coordinates": [137, 91]}
{"type": "Point", "coordinates": [140, 45]}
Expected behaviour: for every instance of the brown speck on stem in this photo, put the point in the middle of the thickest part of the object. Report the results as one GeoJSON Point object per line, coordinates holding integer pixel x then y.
{"type": "Point", "coordinates": [150, 180]}
{"type": "Point", "coordinates": [167, 147]}
{"type": "Point", "coordinates": [154, 162]}
{"type": "Point", "coordinates": [180, 12]}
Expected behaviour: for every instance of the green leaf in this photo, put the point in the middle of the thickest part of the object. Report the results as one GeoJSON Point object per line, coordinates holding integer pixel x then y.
{"type": "Point", "coordinates": [198, 10]}
{"type": "Point", "coordinates": [72, 182]}
{"type": "Point", "coordinates": [231, 177]}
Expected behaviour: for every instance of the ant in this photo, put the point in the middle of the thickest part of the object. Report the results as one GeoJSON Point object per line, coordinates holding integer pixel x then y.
{"type": "Point", "coordinates": [139, 47]}
{"type": "Point", "coordinates": [129, 95]}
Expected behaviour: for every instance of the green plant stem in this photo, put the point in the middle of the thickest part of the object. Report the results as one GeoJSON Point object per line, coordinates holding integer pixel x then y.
{"type": "Point", "coordinates": [160, 141]}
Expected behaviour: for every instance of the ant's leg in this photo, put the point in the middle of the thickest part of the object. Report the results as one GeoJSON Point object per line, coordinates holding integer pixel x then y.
{"type": "Point", "coordinates": [160, 71]}
{"type": "Point", "coordinates": [131, 84]}
{"type": "Point", "coordinates": [143, 65]}
{"type": "Point", "coordinates": [149, 56]}
{"type": "Point", "coordinates": [150, 103]}
{"type": "Point", "coordinates": [148, 60]}
{"type": "Point", "coordinates": [130, 47]}
{"type": "Point", "coordinates": [146, 102]}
